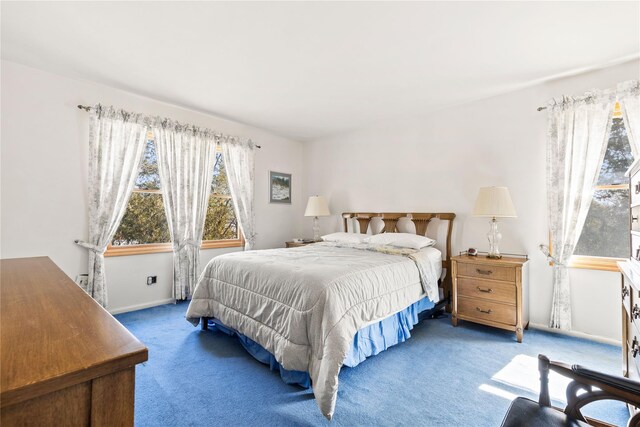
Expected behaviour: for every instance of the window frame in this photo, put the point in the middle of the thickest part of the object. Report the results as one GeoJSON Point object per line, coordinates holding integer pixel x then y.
{"type": "Point", "coordinates": [596, 262]}
{"type": "Point", "coordinates": [154, 248]}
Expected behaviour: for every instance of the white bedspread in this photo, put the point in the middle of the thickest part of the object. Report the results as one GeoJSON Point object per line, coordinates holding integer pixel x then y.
{"type": "Point", "coordinates": [304, 305]}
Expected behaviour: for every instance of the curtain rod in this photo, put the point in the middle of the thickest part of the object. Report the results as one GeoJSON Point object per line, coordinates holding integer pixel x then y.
{"type": "Point", "coordinates": [87, 109]}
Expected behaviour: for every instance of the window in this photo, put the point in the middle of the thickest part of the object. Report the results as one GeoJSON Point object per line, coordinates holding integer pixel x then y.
{"type": "Point", "coordinates": [605, 236]}
{"type": "Point", "coordinates": [221, 224]}
{"type": "Point", "coordinates": [144, 227]}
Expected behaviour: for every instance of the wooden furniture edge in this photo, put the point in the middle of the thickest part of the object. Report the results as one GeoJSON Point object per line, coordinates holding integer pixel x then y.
{"type": "Point", "coordinates": [625, 333]}
{"type": "Point", "coordinates": [30, 391]}
{"type": "Point", "coordinates": [454, 291]}
{"type": "Point", "coordinates": [519, 308]}
{"type": "Point", "coordinates": [13, 396]}
{"type": "Point", "coordinates": [506, 327]}
{"type": "Point", "coordinates": [482, 259]}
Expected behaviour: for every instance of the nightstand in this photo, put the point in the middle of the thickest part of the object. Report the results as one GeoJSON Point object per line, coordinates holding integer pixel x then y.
{"type": "Point", "coordinates": [490, 292]}
{"type": "Point", "coordinates": [292, 244]}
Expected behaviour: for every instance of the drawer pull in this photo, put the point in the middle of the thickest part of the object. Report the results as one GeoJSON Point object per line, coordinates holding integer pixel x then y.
{"type": "Point", "coordinates": [625, 292]}
{"type": "Point", "coordinates": [484, 311]}
{"type": "Point", "coordinates": [485, 272]}
{"type": "Point", "coordinates": [634, 219]}
{"type": "Point", "coordinates": [635, 347]}
{"type": "Point", "coordinates": [486, 291]}
{"type": "Point", "coordinates": [638, 187]}
{"type": "Point", "coordinates": [635, 312]}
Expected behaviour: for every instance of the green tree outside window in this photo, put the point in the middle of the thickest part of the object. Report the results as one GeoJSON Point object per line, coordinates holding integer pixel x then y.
{"type": "Point", "coordinates": [145, 222]}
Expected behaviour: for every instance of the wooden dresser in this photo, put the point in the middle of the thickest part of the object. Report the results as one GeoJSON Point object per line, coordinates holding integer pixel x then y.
{"type": "Point", "coordinates": [630, 284]}
{"type": "Point", "coordinates": [64, 359]}
{"type": "Point", "coordinates": [630, 295]}
{"type": "Point", "coordinates": [490, 292]}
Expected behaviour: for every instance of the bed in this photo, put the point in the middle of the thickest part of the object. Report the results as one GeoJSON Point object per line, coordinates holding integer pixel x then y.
{"type": "Point", "coordinates": [305, 307]}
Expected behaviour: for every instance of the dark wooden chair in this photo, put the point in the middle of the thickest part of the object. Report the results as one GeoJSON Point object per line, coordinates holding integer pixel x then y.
{"type": "Point", "coordinates": [525, 412]}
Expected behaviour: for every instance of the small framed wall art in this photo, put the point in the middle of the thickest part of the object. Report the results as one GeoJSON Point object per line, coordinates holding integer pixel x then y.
{"type": "Point", "coordinates": [279, 187]}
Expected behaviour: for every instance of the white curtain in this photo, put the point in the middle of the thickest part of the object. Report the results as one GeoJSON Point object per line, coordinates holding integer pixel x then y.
{"type": "Point", "coordinates": [186, 157]}
{"type": "Point", "coordinates": [116, 142]}
{"type": "Point", "coordinates": [577, 134]}
{"type": "Point", "coordinates": [629, 98]}
{"type": "Point", "coordinates": [239, 163]}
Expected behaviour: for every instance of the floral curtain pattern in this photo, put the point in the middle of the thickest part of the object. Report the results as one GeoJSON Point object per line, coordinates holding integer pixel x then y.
{"type": "Point", "coordinates": [186, 156]}
{"type": "Point", "coordinates": [576, 144]}
{"type": "Point", "coordinates": [240, 163]}
{"type": "Point", "coordinates": [116, 143]}
{"type": "Point", "coordinates": [629, 99]}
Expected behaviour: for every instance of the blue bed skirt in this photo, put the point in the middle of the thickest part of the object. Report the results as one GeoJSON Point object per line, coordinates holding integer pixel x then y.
{"type": "Point", "coordinates": [368, 341]}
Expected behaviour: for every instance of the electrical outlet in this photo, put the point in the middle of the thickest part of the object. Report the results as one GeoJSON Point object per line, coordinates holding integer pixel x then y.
{"type": "Point", "coordinates": [152, 280]}
{"type": "Point", "coordinates": [82, 280]}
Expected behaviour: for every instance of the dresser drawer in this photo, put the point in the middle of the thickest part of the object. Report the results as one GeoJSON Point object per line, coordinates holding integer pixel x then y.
{"type": "Point", "coordinates": [487, 289]}
{"type": "Point", "coordinates": [635, 218]}
{"type": "Point", "coordinates": [635, 188]}
{"type": "Point", "coordinates": [626, 297]}
{"type": "Point", "coordinates": [486, 310]}
{"type": "Point", "coordinates": [494, 272]}
{"type": "Point", "coordinates": [634, 354]}
{"type": "Point", "coordinates": [632, 331]}
{"type": "Point", "coordinates": [634, 180]}
{"type": "Point", "coordinates": [634, 316]}
{"type": "Point", "coordinates": [634, 250]}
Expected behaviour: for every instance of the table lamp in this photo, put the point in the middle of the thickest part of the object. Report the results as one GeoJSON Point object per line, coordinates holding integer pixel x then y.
{"type": "Point", "coordinates": [317, 206]}
{"type": "Point", "coordinates": [494, 202]}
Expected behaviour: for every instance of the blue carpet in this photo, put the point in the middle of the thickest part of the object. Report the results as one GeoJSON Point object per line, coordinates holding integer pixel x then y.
{"type": "Point", "coordinates": [442, 376]}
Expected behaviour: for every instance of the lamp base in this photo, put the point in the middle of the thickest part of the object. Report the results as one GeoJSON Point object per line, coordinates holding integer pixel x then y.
{"type": "Point", "coordinates": [316, 229]}
{"type": "Point", "coordinates": [494, 238]}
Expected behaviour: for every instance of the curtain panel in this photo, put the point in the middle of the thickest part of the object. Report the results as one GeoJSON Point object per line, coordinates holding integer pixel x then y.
{"type": "Point", "coordinates": [240, 164]}
{"type": "Point", "coordinates": [186, 156]}
{"type": "Point", "coordinates": [116, 142]}
{"type": "Point", "coordinates": [629, 99]}
{"type": "Point", "coordinates": [576, 144]}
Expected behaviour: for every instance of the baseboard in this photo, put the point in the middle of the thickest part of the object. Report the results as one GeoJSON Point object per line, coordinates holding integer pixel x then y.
{"type": "Point", "coordinates": [576, 334]}
{"type": "Point", "coordinates": [141, 306]}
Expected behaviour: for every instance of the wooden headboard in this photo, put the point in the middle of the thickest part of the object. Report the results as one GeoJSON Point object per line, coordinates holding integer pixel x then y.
{"type": "Point", "coordinates": [421, 221]}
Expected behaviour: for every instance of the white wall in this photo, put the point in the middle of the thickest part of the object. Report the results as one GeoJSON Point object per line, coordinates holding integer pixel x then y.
{"type": "Point", "coordinates": [44, 175]}
{"type": "Point", "coordinates": [431, 163]}
{"type": "Point", "coordinates": [438, 162]}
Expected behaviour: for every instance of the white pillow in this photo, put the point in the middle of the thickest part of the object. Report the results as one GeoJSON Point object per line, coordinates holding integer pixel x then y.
{"type": "Point", "coordinates": [342, 237]}
{"type": "Point", "coordinates": [401, 240]}
{"type": "Point", "coordinates": [376, 225]}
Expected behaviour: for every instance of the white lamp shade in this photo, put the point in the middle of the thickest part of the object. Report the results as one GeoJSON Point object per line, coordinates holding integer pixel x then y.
{"type": "Point", "coordinates": [317, 206]}
{"type": "Point", "coordinates": [494, 202]}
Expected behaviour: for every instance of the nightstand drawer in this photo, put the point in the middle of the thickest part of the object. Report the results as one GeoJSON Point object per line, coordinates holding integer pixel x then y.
{"type": "Point", "coordinates": [487, 310]}
{"type": "Point", "coordinates": [487, 289]}
{"type": "Point", "coordinates": [508, 274]}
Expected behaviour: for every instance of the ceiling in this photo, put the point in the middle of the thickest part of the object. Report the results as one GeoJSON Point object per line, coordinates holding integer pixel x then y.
{"type": "Point", "coordinates": [309, 69]}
